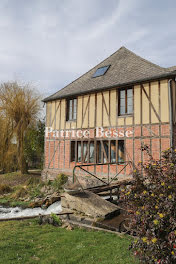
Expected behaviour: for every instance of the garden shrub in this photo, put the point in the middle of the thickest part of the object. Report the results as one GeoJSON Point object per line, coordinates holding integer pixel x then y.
{"type": "Point", "coordinates": [60, 180]}
{"type": "Point", "coordinates": [151, 204]}
{"type": "Point", "coordinates": [56, 220]}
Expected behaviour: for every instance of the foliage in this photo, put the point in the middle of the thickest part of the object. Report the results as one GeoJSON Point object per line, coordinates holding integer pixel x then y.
{"type": "Point", "coordinates": [35, 191]}
{"type": "Point", "coordinates": [60, 180]}
{"type": "Point", "coordinates": [151, 203]}
{"type": "Point", "coordinates": [28, 242]}
{"type": "Point", "coordinates": [19, 108]}
{"type": "Point", "coordinates": [34, 144]}
{"type": "Point", "coordinates": [56, 220]}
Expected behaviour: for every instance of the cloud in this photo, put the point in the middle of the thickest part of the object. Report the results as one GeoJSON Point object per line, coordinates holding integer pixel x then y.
{"type": "Point", "coordinates": [50, 43]}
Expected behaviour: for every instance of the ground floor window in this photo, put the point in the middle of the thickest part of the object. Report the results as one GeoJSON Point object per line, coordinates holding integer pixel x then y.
{"type": "Point", "coordinates": [111, 151]}
{"type": "Point", "coordinates": [82, 151]}
{"type": "Point", "coordinates": [99, 151]}
{"type": "Point", "coordinates": [121, 151]}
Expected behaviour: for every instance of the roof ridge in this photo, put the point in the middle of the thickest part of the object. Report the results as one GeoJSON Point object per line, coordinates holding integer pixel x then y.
{"type": "Point", "coordinates": [145, 59]}
{"type": "Point", "coordinates": [171, 68]}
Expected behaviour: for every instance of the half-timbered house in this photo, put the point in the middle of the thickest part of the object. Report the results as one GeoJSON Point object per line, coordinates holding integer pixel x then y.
{"type": "Point", "coordinates": [105, 116]}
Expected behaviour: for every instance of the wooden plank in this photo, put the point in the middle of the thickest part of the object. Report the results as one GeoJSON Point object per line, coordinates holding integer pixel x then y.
{"type": "Point", "coordinates": [145, 105]}
{"type": "Point", "coordinates": [102, 188]}
{"type": "Point", "coordinates": [113, 107]}
{"type": "Point", "coordinates": [164, 101]}
{"type": "Point", "coordinates": [152, 106]}
{"type": "Point", "coordinates": [137, 112]}
{"type": "Point", "coordinates": [56, 110]}
{"type": "Point", "coordinates": [85, 111]}
{"type": "Point", "coordinates": [79, 112]}
{"type": "Point", "coordinates": [92, 111]}
{"type": "Point", "coordinates": [107, 112]}
{"type": "Point", "coordinates": [63, 113]}
{"type": "Point", "coordinates": [99, 110]}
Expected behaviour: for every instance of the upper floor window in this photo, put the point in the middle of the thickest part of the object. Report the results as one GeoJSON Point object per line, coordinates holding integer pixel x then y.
{"type": "Point", "coordinates": [71, 109]}
{"type": "Point", "coordinates": [126, 101]}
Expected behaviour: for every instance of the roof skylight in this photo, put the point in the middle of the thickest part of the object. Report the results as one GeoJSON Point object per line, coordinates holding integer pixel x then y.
{"type": "Point", "coordinates": [101, 71]}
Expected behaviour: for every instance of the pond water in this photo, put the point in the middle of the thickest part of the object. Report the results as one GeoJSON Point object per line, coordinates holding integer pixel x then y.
{"type": "Point", "coordinates": [13, 212]}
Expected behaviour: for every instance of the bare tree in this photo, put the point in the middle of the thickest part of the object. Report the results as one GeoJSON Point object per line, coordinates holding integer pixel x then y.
{"type": "Point", "coordinates": [20, 105]}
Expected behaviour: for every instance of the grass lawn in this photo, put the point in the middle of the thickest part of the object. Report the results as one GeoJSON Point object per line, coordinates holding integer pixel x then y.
{"type": "Point", "coordinates": [27, 242]}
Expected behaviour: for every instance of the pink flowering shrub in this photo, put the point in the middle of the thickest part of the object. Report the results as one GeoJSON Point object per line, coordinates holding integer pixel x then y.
{"type": "Point", "coordinates": [151, 203]}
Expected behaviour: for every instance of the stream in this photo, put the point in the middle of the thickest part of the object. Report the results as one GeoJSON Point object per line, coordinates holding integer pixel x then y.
{"type": "Point", "coordinates": [13, 212]}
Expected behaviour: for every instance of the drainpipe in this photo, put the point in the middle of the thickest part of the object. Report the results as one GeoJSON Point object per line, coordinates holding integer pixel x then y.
{"type": "Point", "coordinates": [170, 112]}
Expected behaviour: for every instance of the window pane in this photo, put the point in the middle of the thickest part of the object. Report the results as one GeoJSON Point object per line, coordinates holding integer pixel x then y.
{"type": "Point", "coordinates": [85, 151]}
{"type": "Point", "coordinates": [74, 115]}
{"type": "Point", "coordinates": [70, 109]}
{"type": "Point", "coordinates": [113, 151]}
{"type": "Point", "coordinates": [67, 110]}
{"type": "Point", "coordinates": [98, 152]}
{"type": "Point", "coordinates": [91, 158]}
{"type": "Point", "coordinates": [74, 109]}
{"type": "Point", "coordinates": [122, 110]}
{"type": "Point", "coordinates": [122, 106]}
{"type": "Point", "coordinates": [122, 102]}
{"type": "Point", "coordinates": [121, 151]}
{"type": "Point", "coordinates": [106, 148]}
{"type": "Point", "coordinates": [122, 94]}
{"type": "Point", "coordinates": [129, 93]}
{"type": "Point", "coordinates": [72, 157]}
{"type": "Point", "coordinates": [79, 151]}
{"type": "Point", "coordinates": [126, 101]}
{"type": "Point", "coordinates": [130, 101]}
{"type": "Point", "coordinates": [130, 109]}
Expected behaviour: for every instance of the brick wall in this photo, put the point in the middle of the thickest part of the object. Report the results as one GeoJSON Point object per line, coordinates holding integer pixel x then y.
{"type": "Point", "coordinates": [57, 153]}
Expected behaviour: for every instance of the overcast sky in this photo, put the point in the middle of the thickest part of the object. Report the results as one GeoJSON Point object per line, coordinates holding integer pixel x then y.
{"type": "Point", "coordinates": [51, 42]}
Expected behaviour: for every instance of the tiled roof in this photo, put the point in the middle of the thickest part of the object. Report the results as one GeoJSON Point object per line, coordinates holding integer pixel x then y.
{"type": "Point", "coordinates": [126, 68]}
